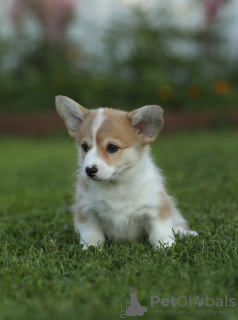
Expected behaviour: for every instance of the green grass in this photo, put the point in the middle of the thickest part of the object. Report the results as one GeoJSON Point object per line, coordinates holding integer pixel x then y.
{"type": "Point", "coordinates": [44, 279]}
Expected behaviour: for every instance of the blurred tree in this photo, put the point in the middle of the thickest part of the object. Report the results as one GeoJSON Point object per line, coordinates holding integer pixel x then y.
{"type": "Point", "coordinates": [212, 7]}
{"type": "Point", "coordinates": [44, 65]}
{"type": "Point", "coordinates": [143, 62]}
{"type": "Point", "coordinates": [208, 37]}
{"type": "Point", "coordinates": [53, 16]}
{"type": "Point", "coordinates": [147, 65]}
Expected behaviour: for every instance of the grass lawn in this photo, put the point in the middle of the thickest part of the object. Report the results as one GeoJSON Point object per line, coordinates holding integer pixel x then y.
{"type": "Point", "coordinates": [45, 274]}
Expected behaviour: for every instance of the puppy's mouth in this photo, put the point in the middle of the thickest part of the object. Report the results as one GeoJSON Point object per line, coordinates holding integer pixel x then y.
{"type": "Point", "coordinates": [97, 178]}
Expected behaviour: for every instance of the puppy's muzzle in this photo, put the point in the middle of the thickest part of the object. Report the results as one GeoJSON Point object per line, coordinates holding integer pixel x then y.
{"type": "Point", "coordinates": [91, 172]}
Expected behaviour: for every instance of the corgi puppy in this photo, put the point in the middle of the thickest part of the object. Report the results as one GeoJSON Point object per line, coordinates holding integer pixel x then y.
{"type": "Point", "coordinates": [120, 193]}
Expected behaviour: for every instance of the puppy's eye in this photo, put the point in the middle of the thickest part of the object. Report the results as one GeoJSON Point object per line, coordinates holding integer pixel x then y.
{"type": "Point", "coordinates": [111, 148]}
{"type": "Point", "coordinates": [85, 147]}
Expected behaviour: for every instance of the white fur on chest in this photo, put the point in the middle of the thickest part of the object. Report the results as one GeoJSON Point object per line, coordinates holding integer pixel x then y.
{"type": "Point", "coordinates": [122, 207]}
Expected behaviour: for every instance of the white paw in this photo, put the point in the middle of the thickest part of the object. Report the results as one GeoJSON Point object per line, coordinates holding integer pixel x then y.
{"type": "Point", "coordinates": [98, 245]}
{"type": "Point", "coordinates": [192, 233]}
{"type": "Point", "coordinates": [183, 233]}
{"type": "Point", "coordinates": [164, 243]}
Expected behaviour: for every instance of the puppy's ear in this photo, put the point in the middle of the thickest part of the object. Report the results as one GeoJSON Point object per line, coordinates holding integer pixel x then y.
{"type": "Point", "coordinates": [71, 112]}
{"type": "Point", "coordinates": [148, 122]}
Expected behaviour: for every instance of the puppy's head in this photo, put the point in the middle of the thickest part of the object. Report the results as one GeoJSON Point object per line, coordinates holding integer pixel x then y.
{"type": "Point", "coordinates": [110, 142]}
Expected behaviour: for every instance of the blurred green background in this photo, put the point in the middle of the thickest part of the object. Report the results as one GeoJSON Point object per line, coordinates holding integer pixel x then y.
{"type": "Point", "coordinates": [135, 54]}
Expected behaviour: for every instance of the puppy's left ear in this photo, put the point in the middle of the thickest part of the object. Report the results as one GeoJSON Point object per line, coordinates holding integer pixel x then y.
{"type": "Point", "coordinates": [148, 122]}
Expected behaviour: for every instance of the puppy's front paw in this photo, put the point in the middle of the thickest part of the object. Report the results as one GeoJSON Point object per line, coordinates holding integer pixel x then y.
{"type": "Point", "coordinates": [164, 243]}
{"type": "Point", "coordinates": [98, 245]}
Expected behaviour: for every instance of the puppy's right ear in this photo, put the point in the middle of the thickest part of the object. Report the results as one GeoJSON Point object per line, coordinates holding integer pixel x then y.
{"type": "Point", "coordinates": [71, 112]}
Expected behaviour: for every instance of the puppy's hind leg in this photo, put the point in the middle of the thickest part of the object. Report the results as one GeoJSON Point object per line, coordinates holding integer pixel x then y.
{"type": "Point", "coordinates": [181, 232]}
{"type": "Point", "coordinates": [161, 232]}
{"type": "Point", "coordinates": [181, 227]}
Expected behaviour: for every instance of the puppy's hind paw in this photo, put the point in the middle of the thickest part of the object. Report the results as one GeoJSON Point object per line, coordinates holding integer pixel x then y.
{"type": "Point", "coordinates": [183, 233]}
{"type": "Point", "coordinates": [192, 233]}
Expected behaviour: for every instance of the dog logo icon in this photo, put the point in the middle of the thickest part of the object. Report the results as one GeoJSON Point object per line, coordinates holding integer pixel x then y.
{"type": "Point", "coordinates": [129, 301]}
{"type": "Point", "coordinates": [198, 301]}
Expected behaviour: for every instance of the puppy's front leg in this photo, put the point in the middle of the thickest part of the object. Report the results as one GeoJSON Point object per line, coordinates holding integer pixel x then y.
{"type": "Point", "coordinates": [90, 231]}
{"type": "Point", "coordinates": [161, 232]}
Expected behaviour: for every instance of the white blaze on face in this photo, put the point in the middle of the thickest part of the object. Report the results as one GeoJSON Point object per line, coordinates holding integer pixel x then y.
{"type": "Point", "coordinates": [92, 157]}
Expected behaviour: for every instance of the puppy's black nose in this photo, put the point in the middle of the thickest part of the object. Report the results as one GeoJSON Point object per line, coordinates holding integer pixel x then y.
{"type": "Point", "coordinates": [91, 171]}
